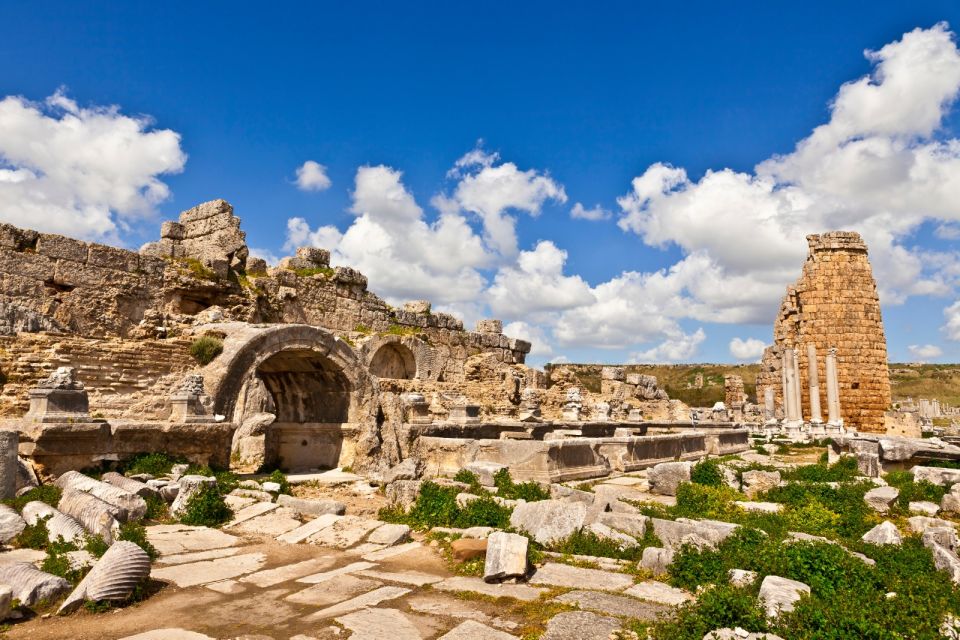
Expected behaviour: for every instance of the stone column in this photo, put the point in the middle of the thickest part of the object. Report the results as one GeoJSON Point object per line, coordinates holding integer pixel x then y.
{"type": "Point", "coordinates": [814, 378]}
{"type": "Point", "coordinates": [9, 441]}
{"type": "Point", "coordinates": [769, 409]}
{"type": "Point", "coordinates": [797, 392]}
{"type": "Point", "coordinates": [790, 401]}
{"type": "Point", "coordinates": [833, 389]}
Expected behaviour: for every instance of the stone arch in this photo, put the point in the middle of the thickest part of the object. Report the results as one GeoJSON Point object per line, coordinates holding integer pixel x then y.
{"type": "Point", "coordinates": [401, 357]}
{"type": "Point", "coordinates": [394, 360]}
{"type": "Point", "coordinates": [318, 388]}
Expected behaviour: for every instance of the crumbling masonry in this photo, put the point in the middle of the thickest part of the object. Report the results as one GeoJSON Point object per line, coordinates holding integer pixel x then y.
{"type": "Point", "coordinates": [829, 351]}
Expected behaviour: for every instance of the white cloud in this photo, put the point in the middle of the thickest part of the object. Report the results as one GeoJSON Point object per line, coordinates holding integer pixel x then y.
{"type": "Point", "coordinates": [270, 257]}
{"type": "Point", "coordinates": [925, 351]}
{"type": "Point", "coordinates": [88, 172]}
{"type": "Point", "coordinates": [402, 254]}
{"type": "Point", "coordinates": [535, 284]}
{"type": "Point", "coordinates": [749, 349]}
{"type": "Point", "coordinates": [952, 327]}
{"type": "Point", "coordinates": [312, 176]}
{"type": "Point", "coordinates": [594, 214]}
{"type": "Point", "coordinates": [874, 167]}
{"type": "Point", "coordinates": [678, 348]}
{"type": "Point", "coordinates": [491, 190]}
{"type": "Point", "coordinates": [533, 334]}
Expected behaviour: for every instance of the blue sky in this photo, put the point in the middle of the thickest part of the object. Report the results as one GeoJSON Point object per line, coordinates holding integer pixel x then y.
{"type": "Point", "coordinates": [581, 98]}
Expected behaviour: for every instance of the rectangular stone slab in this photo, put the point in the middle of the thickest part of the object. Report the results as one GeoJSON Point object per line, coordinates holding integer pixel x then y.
{"type": "Point", "coordinates": [563, 575]}
{"type": "Point", "coordinates": [337, 589]}
{"type": "Point", "coordinates": [194, 573]}
{"type": "Point", "coordinates": [476, 585]}
{"type": "Point", "coordinates": [270, 577]}
{"type": "Point", "coordinates": [326, 575]}
{"type": "Point", "coordinates": [370, 599]}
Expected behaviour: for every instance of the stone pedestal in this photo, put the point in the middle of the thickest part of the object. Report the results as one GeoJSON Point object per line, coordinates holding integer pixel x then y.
{"type": "Point", "coordinates": [464, 413]}
{"type": "Point", "coordinates": [190, 403]}
{"type": "Point", "coordinates": [59, 398]}
{"type": "Point", "coordinates": [418, 409]}
{"type": "Point", "coordinates": [833, 389]}
{"type": "Point", "coordinates": [9, 442]}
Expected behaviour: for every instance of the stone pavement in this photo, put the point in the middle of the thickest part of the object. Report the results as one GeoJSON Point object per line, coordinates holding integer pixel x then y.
{"type": "Point", "coordinates": [261, 578]}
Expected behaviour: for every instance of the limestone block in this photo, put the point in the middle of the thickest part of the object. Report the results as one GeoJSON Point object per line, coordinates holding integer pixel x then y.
{"type": "Point", "coordinates": [548, 520]}
{"type": "Point", "coordinates": [699, 533]}
{"type": "Point", "coordinates": [659, 592]}
{"type": "Point", "coordinates": [946, 560]}
{"type": "Point", "coordinates": [30, 585]}
{"type": "Point", "coordinates": [665, 477]}
{"type": "Point", "coordinates": [936, 475]}
{"type": "Point", "coordinates": [633, 524]}
{"type": "Point", "coordinates": [189, 486]}
{"type": "Point", "coordinates": [417, 306]}
{"type": "Point", "coordinates": [756, 482]}
{"type": "Point", "coordinates": [924, 507]}
{"type": "Point", "coordinates": [580, 625]}
{"type": "Point", "coordinates": [96, 516]}
{"type": "Point", "coordinates": [113, 578]}
{"type": "Point", "coordinates": [9, 464]}
{"type": "Point", "coordinates": [485, 471]}
{"type": "Point", "coordinates": [11, 524]}
{"type": "Point", "coordinates": [506, 557]}
{"type": "Point", "coordinates": [884, 533]}
{"type": "Point", "coordinates": [389, 534]}
{"type": "Point", "coordinates": [741, 577]}
{"type": "Point", "coordinates": [409, 469]}
{"type": "Point", "coordinates": [129, 505]}
{"type": "Point", "coordinates": [781, 594]}
{"type": "Point", "coordinates": [489, 326]}
{"type": "Point", "coordinates": [881, 498]}
{"type": "Point", "coordinates": [315, 507]}
{"type": "Point", "coordinates": [604, 532]}
{"type": "Point", "coordinates": [403, 493]}
{"type": "Point", "coordinates": [656, 560]}
{"type": "Point", "coordinates": [63, 248]}
{"type": "Point", "coordinates": [129, 484]}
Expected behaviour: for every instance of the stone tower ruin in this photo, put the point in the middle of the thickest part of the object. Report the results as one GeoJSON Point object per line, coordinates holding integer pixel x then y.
{"type": "Point", "coordinates": [829, 325]}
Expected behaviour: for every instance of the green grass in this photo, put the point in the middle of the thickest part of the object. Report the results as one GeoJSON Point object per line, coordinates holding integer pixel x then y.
{"type": "Point", "coordinates": [206, 508]}
{"type": "Point", "coordinates": [44, 493]}
{"type": "Point", "coordinates": [155, 464]}
{"type": "Point", "coordinates": [436, 506]}
{"type": "Point", "coordinates": [205, 348]}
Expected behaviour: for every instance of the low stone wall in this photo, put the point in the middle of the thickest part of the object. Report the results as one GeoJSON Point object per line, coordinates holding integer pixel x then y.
{"type": "Point", "coordinates": [60, 447]}
{"type": "Point", "coordinates": [574, 458]}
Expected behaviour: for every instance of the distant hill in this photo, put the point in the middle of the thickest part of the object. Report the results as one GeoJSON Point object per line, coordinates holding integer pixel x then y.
{"type": "Point", "coordinates": [933, 381]}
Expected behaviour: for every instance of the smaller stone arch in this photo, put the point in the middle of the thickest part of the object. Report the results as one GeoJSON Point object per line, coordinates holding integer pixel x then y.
{"type": "Point", "coordinates": [394, 360]}
{"type": "Point", "coordinates": [400, 358]}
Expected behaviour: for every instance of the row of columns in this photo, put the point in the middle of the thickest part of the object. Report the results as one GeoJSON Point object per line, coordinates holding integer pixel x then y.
{"type": "Point", "coordinates": [790, 380]}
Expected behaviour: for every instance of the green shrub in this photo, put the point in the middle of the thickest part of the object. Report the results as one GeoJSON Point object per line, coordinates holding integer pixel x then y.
{"type": "Point", "coordinates": [813, 518]}
{"type": "Point", "coordinates": [471, 479]}
{"type": "Point", "coordinates": [529, 491]}
{"type": "Point", "coordinates": [587, 543]}
{"type": "Point", "coordinates": [911, 491]}
{"type": "Point", "coordinates": [483, 512]}
{"type": "Point", "coordinates": [707, 473]}
{"type": "Point", "coordinates": [206, 508]}
{"type": "Point", "coordinates": [843, 470]}
{"type": "Point", "coordinates": [722, 606]}
{"type": "Point", "coordinates": [702, 501]}
{"type": "Point", "coordinates": [281, 479]}
{"type": "Point", "coordinates": [205, 348]}
{"type": "Point", "coordinates": [436, 506]}
{"type": "Point", "coordinates": [33, 536]}
{"type": "Point", "coordinates": [44, 493]}
{"type": "Point", "coordinates": [156, 464]}
{"type": "Point", "coordinates": [136, 533]}
{"type": "Point", "coordinates": [96, 545]}
{"type": "Point", "coordinates": [157, 508]}
{"type": "Point", "coordinates": [57, 562]}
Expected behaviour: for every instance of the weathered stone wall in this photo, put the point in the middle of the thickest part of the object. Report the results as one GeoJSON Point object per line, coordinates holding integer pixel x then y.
{"type": "Point", "coordinates": [131, 307]}
{"type": "Point", "coordinates": [834, 304]}
{"type": "Point", "coordinates": [124, 378]}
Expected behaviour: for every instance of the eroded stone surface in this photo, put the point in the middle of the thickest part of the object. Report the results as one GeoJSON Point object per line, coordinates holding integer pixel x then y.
{"type": "Point", "coordinates": [613, 605]}
{"type": "Point", "coordinates": [376, 624]}
{"type": "Point", "coordinates": [580, 625]}
{"type": "Point", "coordinates": [196, 573]}
{"type": "Point", "coordinates": [564, 575]}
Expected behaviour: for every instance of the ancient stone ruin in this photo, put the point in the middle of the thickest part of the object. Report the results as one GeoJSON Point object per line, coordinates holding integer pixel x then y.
{"type": "Point", "coordinates": [192, 347]}
{"type": "Point", "coordinates": [828, 363]}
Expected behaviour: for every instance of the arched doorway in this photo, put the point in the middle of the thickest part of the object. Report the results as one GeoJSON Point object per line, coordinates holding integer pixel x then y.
{"type": "Point", "coordinates": [307, 379]}
{"type": "Point", "coordinates": [394, 360]}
